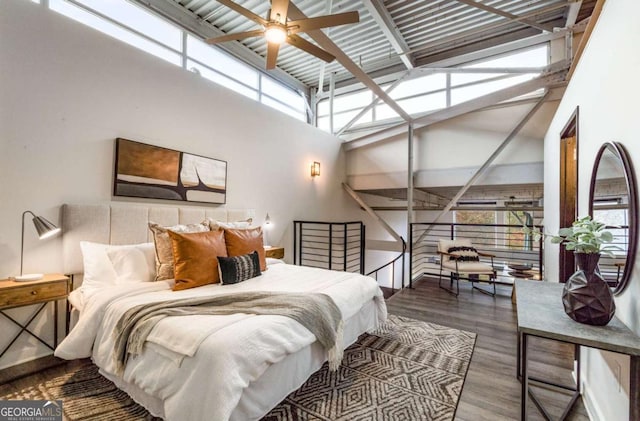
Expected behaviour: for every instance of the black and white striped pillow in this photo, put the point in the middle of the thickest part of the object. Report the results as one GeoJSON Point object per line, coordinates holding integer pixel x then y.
{"type": "Point", "coordinates": [240, 268]}
{"type": "Point", "coordinates": [463, 254]}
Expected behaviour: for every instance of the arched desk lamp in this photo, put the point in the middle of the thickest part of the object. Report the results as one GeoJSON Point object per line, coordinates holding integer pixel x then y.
{"type": "Point", "coordinates": [45, 229]}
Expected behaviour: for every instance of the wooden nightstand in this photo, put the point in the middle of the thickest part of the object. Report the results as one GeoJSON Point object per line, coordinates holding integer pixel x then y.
{"type": "Point", "coordinates": [49, 289]}
{"type": "Point", "coordinates": [274, 252]}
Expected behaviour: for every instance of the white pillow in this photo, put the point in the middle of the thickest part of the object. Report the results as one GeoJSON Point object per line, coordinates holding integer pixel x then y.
{"type": "Point", "coordinates": [98, 270]}
{"type": "Point", "coordinates": [134, 263]}
{"type": "Point", "coordinates": [108, 265]}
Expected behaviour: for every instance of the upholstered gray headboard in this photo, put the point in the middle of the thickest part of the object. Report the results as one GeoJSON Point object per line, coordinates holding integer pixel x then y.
{"type": "Point", "coordinates": [127, 224]}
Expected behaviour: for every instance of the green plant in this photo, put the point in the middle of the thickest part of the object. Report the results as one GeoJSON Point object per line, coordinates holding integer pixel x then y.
{"type": "Point", "coordinates": [583, 236]}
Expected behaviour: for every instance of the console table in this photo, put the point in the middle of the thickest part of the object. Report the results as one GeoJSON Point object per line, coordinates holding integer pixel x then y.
{"type": "Point", "coordinates": [541, 314]}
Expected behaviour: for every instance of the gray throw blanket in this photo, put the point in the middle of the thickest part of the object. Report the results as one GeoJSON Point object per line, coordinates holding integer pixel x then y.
{"type": "Point", "coordinates": [316, 312]}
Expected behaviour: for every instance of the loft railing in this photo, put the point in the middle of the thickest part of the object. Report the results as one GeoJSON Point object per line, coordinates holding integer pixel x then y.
{"type": "Point", "coordinates": [612, 267]}
{"type": "Point", "coordinates": [329, 245]}
{"type": "Point", "coordinates": [392, 263]}
{"type": "Point", "coordinates": [517, 255]}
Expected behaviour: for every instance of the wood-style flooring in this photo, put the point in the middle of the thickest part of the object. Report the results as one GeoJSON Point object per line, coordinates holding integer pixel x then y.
{"type": "Point", "coordinates": [491, 391]}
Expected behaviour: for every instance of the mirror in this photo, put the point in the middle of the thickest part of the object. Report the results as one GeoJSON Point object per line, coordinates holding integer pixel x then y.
{"type": "Point", "coordinates": [613, 201]}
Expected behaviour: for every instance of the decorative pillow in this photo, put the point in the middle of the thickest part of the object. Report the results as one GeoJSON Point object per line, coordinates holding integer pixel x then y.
{"type": "Point", "coordinates": [164, 251]}
{"type": "Point", "coordinates": [135, 263]}
{"type": "Point", "coordinates": [216, 225]}
{"type": "Point", "coordinates": [108, 265]}
{"type": "Point", "coordinates": [463, 254]}
{"type": "Point", "coordinates": [98, 270]}
{"type": "Point", "coordinates": [194, 255]}
{"type": "Point", "coordinates": [245, 241]}
{"type": "Point", "coordinates": [239, 268]}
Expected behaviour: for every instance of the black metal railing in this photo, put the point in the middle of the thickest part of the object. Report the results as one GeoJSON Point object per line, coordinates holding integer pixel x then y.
{"type": "Point", "coordinates": [329, 245]}
{"type": "Point", "coordinates": [392, 263]}
{"type": "Point", "coordinates": [611, 267]}
{"type": "Point", "coordinates": [516, 254]}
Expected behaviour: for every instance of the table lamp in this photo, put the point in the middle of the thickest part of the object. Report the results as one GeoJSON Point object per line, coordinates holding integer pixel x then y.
{"type": "Point", "coordinates": [45, 229]}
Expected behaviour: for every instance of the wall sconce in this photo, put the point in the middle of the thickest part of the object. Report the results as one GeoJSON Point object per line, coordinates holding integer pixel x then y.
{"type": "Point", "coordinates": [45, 229]}
{"type": "Point", "coordinates": [315, 169]}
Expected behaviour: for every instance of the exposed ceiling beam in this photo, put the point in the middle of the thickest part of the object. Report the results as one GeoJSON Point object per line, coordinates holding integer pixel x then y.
{"type": "Point", "coordinates": [325, 43]}
{"type": "Point", "coordinates": [178, 14]}
{"type": "Point", "coordinates": [573, 9]}
{"type": "Point", "coordinates": [430, 198]}
{"type": "Point", "coordinates": [370, 211]}
{"type": "Point", "coordinates": [384, 20]}
{"type": "Point", "coordinates": [544, 81]}
{"type": "Point", "coordinates": [507, 15]}
{"type": "Point", "coordinates": [585, 37]}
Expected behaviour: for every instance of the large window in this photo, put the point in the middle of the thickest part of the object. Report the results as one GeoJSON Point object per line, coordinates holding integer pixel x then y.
{"type": "Point", "coordinates": [482, 232]}
{"type": "Point", "coordinates": [104, 20]}
{"type": "Point", "coordinates": [345, 108]}
{"type": "Point", "coordinates": [515, 237]}
{"type": "Point", "coordinates": [152, 34]}
{"type": "Point", "coordinates": [436, 91]}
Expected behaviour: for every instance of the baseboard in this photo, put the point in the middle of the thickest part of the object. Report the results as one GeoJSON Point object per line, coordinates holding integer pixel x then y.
{"type": "Point", "coordinates": [593, 410]}
{"type": "Point", "coordinates": [27, 368]}
{"type": "Point", "coordinates": [590, 405]}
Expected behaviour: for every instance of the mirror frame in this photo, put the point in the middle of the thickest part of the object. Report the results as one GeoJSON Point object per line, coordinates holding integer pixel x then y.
{"type": "Point", "coordinates": [629, 174]}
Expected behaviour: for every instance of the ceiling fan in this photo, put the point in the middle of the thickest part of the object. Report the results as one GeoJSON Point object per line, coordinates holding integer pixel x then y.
{"type": "Point", "coordinates": [276, 29]}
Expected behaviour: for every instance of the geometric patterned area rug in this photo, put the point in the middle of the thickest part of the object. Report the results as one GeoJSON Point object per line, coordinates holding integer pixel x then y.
{"type": "Point", "coordinates": [85, 395]}
{"type": "Point", "coordinates": [406, 370]}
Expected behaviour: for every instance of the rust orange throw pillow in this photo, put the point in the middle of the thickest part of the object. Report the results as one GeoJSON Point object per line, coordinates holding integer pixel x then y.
{"type": "Point", "coordinates": [245, 241]}
{"type": "Point", "coordinates": [195, 258]}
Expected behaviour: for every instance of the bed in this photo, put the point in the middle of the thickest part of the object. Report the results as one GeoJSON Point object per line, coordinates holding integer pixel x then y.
{"type": "Point", "coordinates": [198, 367]}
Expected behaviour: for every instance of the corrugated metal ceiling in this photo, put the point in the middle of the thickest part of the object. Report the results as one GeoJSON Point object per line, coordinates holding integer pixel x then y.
{"type": "Point", "coordinates": [432, 30]}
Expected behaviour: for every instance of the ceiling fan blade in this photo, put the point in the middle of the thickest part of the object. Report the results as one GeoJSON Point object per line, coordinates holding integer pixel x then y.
{"type": "Point", "coordinates": [245, 12]}
{"type": "Point", "coordinates": [272, 54]}
{"type": "Point", "coordinates": [235, 37]}
{"type": "Point", "coordinates": [309, 24]}
{"type": "Point", "coordinates": [279, 7]}
{"type": "Point", "coordinates": [304, 45]}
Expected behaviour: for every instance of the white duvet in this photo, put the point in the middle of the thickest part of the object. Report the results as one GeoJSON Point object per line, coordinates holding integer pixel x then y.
{"type": "Point", "coordinates": [200, 365]}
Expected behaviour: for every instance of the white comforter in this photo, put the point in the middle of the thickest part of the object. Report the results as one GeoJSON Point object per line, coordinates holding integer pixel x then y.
{"type": "Point", "coordinates": [199, 365]}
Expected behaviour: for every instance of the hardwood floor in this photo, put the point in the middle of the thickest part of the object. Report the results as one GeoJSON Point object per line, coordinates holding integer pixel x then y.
{"type": "Point", "coordinates": [491, 390]}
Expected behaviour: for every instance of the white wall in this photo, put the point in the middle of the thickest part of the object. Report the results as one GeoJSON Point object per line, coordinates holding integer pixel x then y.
{"type": "Point", "coordinates": [606, 88]}
{"type": "Point", "coordinates": [67, 91]}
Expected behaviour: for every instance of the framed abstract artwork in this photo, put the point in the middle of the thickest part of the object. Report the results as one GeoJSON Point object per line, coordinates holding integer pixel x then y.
{"type": "Point", "coordinates": [149, 171]}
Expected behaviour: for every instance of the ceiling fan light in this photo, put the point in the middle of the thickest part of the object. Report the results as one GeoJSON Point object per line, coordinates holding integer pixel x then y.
{"type": "Point", "coordinates": [275, 34]}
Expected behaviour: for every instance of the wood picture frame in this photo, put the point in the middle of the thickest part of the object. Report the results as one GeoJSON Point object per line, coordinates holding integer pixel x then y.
{"type": "Point", "coordinates": [154, 172]}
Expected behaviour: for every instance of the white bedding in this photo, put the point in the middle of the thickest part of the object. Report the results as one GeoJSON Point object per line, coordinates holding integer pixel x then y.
{"type": "Point", "coordinates": [199, 367]}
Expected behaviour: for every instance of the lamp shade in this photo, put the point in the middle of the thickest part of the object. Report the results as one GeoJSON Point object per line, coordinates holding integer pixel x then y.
{"type": "Point", "coordinates": [315, 169]}
{"type": "Point", "coordinates": [44, 227]}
